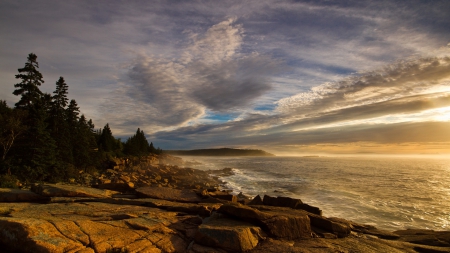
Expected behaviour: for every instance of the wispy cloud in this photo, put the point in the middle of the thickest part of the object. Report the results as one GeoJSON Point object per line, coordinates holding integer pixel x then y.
{"type": "Point", "coordinates": [211, 74]}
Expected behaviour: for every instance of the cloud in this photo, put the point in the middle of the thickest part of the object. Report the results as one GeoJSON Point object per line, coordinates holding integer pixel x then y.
{"type": "Point", "coordinates": [399, 80]}
{"type": "Point", "coordinates": [210, 74]}
{"type": "Point", "coordinates": [397, 103]}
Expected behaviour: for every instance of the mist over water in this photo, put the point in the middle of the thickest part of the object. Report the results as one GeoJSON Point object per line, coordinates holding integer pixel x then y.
{"type": "Point", "coordinates": [390, 193]}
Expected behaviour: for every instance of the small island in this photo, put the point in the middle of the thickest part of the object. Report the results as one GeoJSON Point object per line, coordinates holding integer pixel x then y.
{"type": "Point", "coordinates": [219, 152]}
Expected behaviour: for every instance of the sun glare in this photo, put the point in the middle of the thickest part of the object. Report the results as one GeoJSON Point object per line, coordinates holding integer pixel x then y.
{"type": "Point", "coordinates": [441, 114]}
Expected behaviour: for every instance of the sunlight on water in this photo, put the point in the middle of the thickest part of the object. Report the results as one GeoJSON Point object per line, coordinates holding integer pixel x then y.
{"type": "Point", "coordinates": [390, 193]}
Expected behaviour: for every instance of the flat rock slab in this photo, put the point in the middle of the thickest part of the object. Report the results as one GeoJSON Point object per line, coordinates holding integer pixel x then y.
{"type": "Point", "coordinates": [228, 234]}
{"type": "Point", "coordinates": [93, 227]}
{"type": "Point", "coordinates": [185, 195]}
{"type": "Point", "coordinates": [16, 195]}
{"type": "Point", "coordinates": [202, 209]}
{"type": "Point", "coordinates": [425, 237]}
{"type": "Point", "coordinates": [56, 190]}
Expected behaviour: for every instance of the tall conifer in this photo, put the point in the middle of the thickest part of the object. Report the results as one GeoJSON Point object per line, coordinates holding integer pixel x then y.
{"type": "Point", "coordinates": [28, 88]}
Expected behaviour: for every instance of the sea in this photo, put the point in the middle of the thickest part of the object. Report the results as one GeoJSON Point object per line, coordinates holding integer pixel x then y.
{"type": "Point", "coordinates": [391, 193]}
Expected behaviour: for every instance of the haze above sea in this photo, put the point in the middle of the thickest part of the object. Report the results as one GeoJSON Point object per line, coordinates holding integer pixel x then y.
{"type": "Point", "coordinates": [390, 193]}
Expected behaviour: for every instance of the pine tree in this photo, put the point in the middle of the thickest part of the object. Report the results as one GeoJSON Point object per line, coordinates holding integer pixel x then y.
{"type": "Point", "coordinates": [29, 86]}
{"type": "Point", "coordinates": [59, 125]}
{"type": "Point", "coordinates": [106, 140]}
{"type": "Point", "coordinates": [84, 144]}
{"type": "Point", "coordinates": [43, 148]}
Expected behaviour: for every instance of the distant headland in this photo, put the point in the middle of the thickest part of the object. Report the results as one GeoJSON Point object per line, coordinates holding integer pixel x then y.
{"type": "Point", "coordinates": [219, 152]}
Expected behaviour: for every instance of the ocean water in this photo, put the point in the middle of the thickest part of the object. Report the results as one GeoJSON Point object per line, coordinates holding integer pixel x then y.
{"type": "Point", "coordinates": [389, 193]}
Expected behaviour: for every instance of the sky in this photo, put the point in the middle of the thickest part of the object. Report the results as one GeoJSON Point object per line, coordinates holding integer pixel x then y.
{"type": "Point", "coordinates": [289, 77]}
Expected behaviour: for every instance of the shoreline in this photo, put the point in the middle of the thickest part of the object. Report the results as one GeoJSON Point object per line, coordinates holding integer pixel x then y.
{"type": "Point", "coordinates": [183, 210]}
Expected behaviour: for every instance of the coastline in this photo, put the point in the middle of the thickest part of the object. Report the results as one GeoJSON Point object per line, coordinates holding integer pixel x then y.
{"type": "Point", "coordinates": [182, 210]}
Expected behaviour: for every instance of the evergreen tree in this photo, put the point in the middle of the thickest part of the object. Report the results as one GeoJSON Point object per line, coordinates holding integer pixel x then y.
{"type": "Point", "coordinates": [137, 145]}
{"type": "Point", "coordinates": [43, 148]}
{"type": "Point", "coordinates": [28, 88]}
{"type": "Point", "coordinates": [152, 148]}
{"type": "Point", "coordinates": [59, 125]}
{"type": "Point", "coordinates": [84, 144]}
{"type": "Point", "coordinates": [72, 112]}
{"type": "Point", "coordinates": [107, 141]}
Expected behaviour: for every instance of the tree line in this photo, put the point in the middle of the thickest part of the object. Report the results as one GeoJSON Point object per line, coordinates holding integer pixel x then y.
{"type": "Point", "coordinates": [44, 137]}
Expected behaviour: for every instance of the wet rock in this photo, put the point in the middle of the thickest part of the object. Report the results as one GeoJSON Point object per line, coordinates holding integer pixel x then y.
{"type": "Point", "coordinates": [337, 228]}
{"type": "Point", "coordinates": [16, 195]}
{"type": "Point", "coordinates": [186, 196]}
{"type": "Point", "coordinates": [228, 234]}
{"type": "Point", "coordinates": [366, 229]}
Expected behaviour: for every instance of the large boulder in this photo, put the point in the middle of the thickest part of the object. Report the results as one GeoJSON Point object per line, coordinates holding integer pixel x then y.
{"type": "Point", "coordinates": [185, 195]}
{"type": "Point", "coordinates": [57, 190]}
{"type": "Point", "coordinates": [282, 224]}
{"type": "Point", "coordinates": [228, 234]}
{"type": "Point", "coordinates": [16, 195]}
{"type": "Point", "coordinates": [290, 202]}
{"type": "Point", "coordinates": [317, 223]}
{"type": "Point", "coordinates": [281, 201]}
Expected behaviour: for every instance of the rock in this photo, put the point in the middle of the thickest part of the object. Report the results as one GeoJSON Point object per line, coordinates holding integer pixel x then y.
{"type": "Point", "coordinates": [317, 221]}
{"type": "Point", "coordinates": [201, 209]}
{"type": "Point", "coordinates": [277, 223]}
{"type": "Point", "coordinates": [425, 237]}
{"type": "Point", "coordinates": [119, 187]}
{"type": "Point", "coordinates": [197, 248]}
{"type": "Point", "coordinates": [94, 227]}
{"type": "Point", "coordinates": [281, 201]}
{"type": "Point", "coordinates": [16, 195]}
{"type": "Point", "coordinates": [35, 235]}
{"type": "Point", "coordinates": [290, 202]}
{"type": "Point", "coordinates": [366, 229]}
{"type": "Point", "coordinates": [337, 228]}
{"type": "Point", "coordinates": [309, 208]}
{"type": "Point", "coordinates": [224, 195]}
{"type": "Point", "coordinates": [186, 196]}
{"type": "Point", "coordinates": [228, 234]}
{"type": "Point", "coordinates": [256, 201]}
{"type": "Point", "coordinates": [54, 190]}
{"type": "Point", "coordinates": [124, 178]}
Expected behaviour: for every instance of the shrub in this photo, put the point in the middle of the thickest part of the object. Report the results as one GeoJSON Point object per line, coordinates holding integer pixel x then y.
{"type": "Point", "coordinates": [8, 181]}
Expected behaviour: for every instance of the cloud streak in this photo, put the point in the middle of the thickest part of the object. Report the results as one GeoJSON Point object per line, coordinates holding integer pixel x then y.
{"type": "Point", "coordinates": [211, 74]}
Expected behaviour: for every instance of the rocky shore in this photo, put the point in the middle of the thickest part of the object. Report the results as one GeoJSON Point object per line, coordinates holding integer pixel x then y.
{"type": "Point", "coordinates": [146, 205]}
